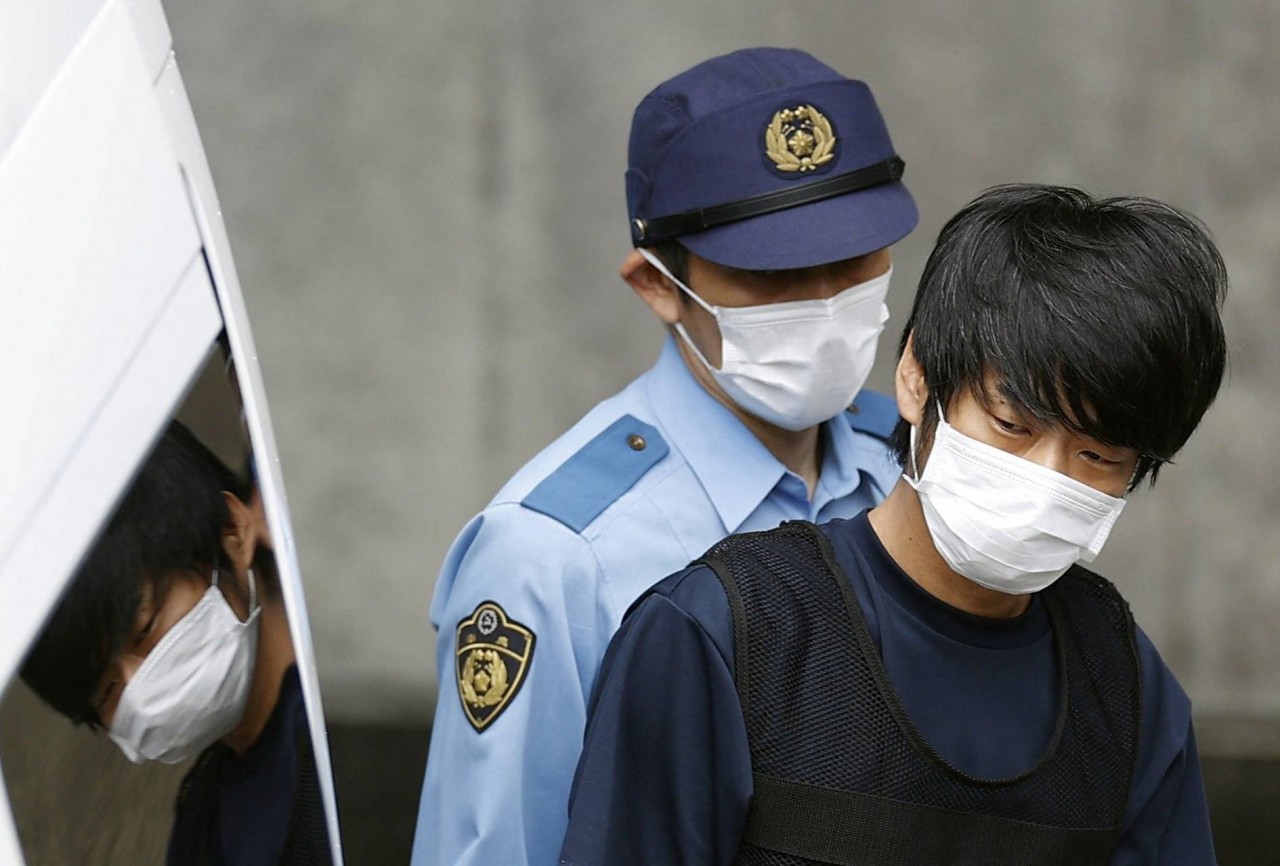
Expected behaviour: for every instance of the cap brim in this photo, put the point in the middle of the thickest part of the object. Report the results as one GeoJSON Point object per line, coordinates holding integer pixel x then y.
{"type": "Point", "coordinates": [813, 234]}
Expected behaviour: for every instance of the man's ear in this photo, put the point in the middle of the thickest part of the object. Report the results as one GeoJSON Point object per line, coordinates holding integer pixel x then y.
{"type": "Point", "coordinates": [245, 529]}
{"type": "Point", "coordinates": [653, 288]}
{"type": "Point", "coordinates": [909, 382]}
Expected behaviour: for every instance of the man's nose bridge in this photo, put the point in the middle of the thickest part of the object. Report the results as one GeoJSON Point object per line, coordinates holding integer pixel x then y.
{"type": "Point", "coordinates": [1049, 453]}
{"type": "Point", "coordinates": [824, 283]}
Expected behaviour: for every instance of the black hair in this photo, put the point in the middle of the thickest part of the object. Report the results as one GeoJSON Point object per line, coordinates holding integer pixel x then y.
{"type": "Point", "coordinates": [1102, 315]}
{"type": "Point", "coordinates": [171, 518]}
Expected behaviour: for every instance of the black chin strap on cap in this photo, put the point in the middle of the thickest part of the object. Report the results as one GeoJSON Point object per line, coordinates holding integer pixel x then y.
{"type": "Point", "coordinates": [652, 231]}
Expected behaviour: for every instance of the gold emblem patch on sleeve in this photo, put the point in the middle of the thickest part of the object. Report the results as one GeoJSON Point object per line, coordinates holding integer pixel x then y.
{"type": "Point", "coordinates": [491, 660]}
{"type": "Point", "coordinates": [799, 139]}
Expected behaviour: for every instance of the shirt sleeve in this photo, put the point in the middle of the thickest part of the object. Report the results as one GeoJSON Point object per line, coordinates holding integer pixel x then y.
{"type": "Point", "coordinates": [1167, 818]}
{"type": "Point", "coordinates": [497, 794]}
{"type": "Point", "coordinates": [665, 774]}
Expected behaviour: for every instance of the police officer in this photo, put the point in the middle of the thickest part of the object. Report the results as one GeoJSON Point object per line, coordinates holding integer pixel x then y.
{"type": "Point", "coordinates": [937, 680]}
{"type": "Point", "coordinates": [764, 193]}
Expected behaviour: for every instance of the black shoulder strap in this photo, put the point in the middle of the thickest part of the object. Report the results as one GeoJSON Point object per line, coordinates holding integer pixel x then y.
{"type": "Point", "coordinates": [790, 533]}
{"type": "Point", "coordinates": [741, 668]}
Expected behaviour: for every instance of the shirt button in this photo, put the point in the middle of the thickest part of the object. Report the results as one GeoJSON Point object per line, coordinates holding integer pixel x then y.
{"type": "Point", "coordinates": [636, 441]}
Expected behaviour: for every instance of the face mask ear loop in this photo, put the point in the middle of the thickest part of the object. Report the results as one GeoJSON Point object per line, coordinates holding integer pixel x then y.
{"type": "Point", "coordinates": [253, 588]}
{"type": "Point", "coordinates": [911, 454]}
{"type": "Point", "coordinates": [679, 326]}
{"type": "Point", "coordinates": [911, 444]}
{"type": "Point", "coordinates": [253, 592]}
{"type": "Point", "coordinates": [688, 341]}
{"type": "Point", "coordinates": [662, 269]}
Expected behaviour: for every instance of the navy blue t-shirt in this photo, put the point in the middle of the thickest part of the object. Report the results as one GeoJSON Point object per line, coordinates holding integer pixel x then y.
{"type": "Point", "coordinates": [255, 794]}
{"type": "Point", "coordinates": [665, 775]}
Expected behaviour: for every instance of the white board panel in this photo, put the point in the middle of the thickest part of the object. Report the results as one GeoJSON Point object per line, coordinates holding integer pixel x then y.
{"type": "Point", "coordinates": [151, 28]}
{"type": "Point", "coordinates": [96, 237]}
{"type": "Point", "coordinates": [35, 40]}
{"type": "Point", "coordinates": [114, 443]}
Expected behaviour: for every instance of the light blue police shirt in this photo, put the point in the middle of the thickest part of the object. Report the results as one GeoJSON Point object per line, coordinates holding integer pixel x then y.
{"type": "Point", "coordinates": [642, 485]}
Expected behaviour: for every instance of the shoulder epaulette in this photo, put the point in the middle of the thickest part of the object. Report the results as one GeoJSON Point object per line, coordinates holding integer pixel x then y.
{"type": "Point", "coordinates": [874, 414]}
{"type": "Point", "coordinates": [598, 474]}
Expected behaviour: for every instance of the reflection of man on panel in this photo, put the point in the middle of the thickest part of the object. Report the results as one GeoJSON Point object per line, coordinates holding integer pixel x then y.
{"type": "Point", "coordinates": [173, 638]}
{"type": "Point", "coordinates": [764, 193]}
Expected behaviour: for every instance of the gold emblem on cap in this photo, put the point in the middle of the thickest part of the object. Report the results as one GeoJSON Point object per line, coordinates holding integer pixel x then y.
{"type": "Point", "coordinates": [799, 139]}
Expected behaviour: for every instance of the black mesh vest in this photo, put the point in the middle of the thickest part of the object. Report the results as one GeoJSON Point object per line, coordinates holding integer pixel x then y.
{"type": "Point", "coordinates": [842, 776]}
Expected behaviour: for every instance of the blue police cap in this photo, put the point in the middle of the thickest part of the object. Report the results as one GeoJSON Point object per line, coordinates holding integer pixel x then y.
{"type": "Point", "coordinates": [765, 159]}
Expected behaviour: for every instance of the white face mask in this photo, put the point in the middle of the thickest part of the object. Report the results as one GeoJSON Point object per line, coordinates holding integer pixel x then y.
{"type": "Point", "coordinates": [1004, 522]}
{"type": "Point", "coordinates": [191, 688]}
{"type": "Point", "coordinates": [798, 363]}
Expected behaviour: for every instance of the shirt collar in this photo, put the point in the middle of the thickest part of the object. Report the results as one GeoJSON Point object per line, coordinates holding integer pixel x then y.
{"type": "Point", "coordinates": [884, 572]}
{"type": "Point", "coordinates": [734, 468]}
{"type": "Point", "coordinates": [840, 474]}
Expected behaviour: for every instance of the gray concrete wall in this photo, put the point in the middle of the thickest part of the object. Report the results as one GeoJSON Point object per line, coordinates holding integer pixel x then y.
{"type": "Point", "coordinates": [426, 205]}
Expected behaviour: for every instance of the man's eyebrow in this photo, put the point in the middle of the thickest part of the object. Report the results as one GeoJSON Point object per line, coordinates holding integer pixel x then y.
{"type": "Point", "coordinates": [988, 393]}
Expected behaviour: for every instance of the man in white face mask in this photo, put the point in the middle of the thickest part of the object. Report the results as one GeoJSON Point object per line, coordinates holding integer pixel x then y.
{"type": "Point", "coordinates": [939, 680]}
{"type": "Point", "coordinates": [174, 640]}
{"type": "Point", "coordinates": [763, 192]}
